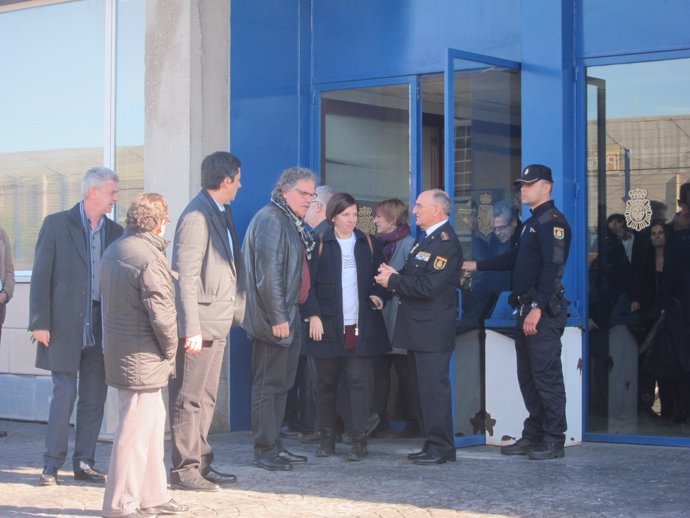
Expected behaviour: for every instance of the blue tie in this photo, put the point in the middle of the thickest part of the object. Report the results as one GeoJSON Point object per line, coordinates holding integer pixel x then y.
{"type": "Point", "coordinates": [421, 238]}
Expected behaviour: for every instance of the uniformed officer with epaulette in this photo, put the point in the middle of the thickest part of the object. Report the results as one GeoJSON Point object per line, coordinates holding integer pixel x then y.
{"type": "Point", "coordinates": [425, 326]}
{"type": "Point", "coordinates": [537, 262]}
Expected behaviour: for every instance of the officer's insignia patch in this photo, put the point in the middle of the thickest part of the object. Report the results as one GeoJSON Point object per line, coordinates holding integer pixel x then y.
{"type": "Point", "coordinates": [444, 236]}
{"type": "Point", "coordinates": [485, 214]}
{"type": "Point", "coordinates": [440, 263]}
{"type": "Point", "coordinates": [558, 232]}
{"type": "Point", "coordinates": [638, 210]}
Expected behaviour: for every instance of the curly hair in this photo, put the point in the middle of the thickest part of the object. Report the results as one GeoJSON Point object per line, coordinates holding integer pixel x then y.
{"type": "Point", "coordinates": [289, 178]}
{"type": "Point", "coordinates": [147, 212]}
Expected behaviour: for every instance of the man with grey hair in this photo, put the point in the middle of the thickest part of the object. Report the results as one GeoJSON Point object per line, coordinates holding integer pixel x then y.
{"type": "Point", "coordinates": [276, 249]}
{"type": "Point", "coordinates": [425, 324]}
{"type": "Point", "coordinates": [65, 321]}
{"type": "Point", "coordinates": [316, 215]}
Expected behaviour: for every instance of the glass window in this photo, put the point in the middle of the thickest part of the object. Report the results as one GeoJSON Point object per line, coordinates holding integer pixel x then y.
{"type": "Point", "coordinates": [129, 102]}
{"type": "Point", "coordinates": [638, 152]}
{"type": "Point", "coordinates": [52, 112]}
{"type": "Point", "coordinates": [365, 145]}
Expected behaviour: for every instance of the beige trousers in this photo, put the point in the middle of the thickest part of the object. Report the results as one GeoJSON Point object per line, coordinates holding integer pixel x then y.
{"type": "Point", "coordinates": [137, 475]}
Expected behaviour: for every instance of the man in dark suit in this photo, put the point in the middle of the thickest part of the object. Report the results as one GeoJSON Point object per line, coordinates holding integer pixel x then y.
{"type": "Point", "coordinates": [428, 311]}
{"type": "Point", "coordinates": [65, 321]}
{"type": "Point", "coordinates": [209, 300]}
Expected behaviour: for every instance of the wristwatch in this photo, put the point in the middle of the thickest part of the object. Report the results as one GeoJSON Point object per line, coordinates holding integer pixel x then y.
{"type": "Point", "coordinates": [533, 305]}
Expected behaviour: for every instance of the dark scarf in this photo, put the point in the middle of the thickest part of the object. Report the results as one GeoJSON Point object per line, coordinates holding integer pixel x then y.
{"type": "Point", "coordinates": [307, 240]}
{"type": "Point", "coordinates": [388, 240]}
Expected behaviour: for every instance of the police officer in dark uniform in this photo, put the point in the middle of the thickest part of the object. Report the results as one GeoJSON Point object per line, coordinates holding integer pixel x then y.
{"type": "Point", "coordinates": [537, 262]}
{"type": "Point", "coordinates": [427, 289]}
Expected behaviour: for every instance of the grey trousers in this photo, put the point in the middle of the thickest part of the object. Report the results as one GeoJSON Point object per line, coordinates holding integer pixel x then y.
{"type": "Point", "coordinates": [137, 475]}
{"type": "Point", "coordinates": [274, 367]}
{"type": "Point", "coordinates": [92, 392]}
{"type": "Point", "coordinates": [192, 402]}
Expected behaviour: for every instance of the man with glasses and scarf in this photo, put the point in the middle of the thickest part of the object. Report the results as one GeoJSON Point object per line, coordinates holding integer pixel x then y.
{"type": "Point", "coordinates": [276, 249]}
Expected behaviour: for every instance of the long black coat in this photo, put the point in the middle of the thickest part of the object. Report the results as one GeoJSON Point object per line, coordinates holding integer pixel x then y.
{"type": "Point", "coordinates": [326, 298]}
{"type": "Point", "coordinates": [59, 286]}
{"type": "Point", "coordinates": [427, 287]}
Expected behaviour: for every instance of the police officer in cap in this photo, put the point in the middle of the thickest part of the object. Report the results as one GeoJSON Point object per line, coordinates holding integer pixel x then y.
{"type": "Point", "coordinates": [537, 262]}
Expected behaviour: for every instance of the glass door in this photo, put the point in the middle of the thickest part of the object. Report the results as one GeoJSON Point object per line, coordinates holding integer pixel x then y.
{"type": "Point", "coordinates": [638, 174]}
{"type": "Point", "coordinates": [482, 159]}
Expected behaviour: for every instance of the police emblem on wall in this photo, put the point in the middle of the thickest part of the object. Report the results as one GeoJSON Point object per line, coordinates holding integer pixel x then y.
{"type": "Point", "coordinates": [485, 214]}
{"type": "Point", "coordinates": [365, 220]}
{"type": "Point", "coordinates": [638, 211]}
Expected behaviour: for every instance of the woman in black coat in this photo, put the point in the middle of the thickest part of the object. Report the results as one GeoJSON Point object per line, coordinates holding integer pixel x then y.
{"type": "Point", "coordinates": [346, 328]}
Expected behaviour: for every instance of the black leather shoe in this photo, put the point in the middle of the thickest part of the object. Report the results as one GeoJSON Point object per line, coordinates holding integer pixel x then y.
{"type": "Point", "coordinates": [274, 463]}
{"type": "Point", "coordinates": [292, 458]}
{"type": "Point", "coordinates": [429, 459]}
{"type": "Point", "coordinates": [547, 450]}
{"type": "Point", "coordinates": [89, 474]}
{"type": "Point", "coordinates": [49, 476]}
{"type": "Point", "coordinates": [197, 483]}
{"type": "Point", "coordinates": [169, 507]}
{"type": "Point", "coordinates": [219, 478]}
{"type": "Point", "coordinates": [418, 455]}
{"type": "Point", "coordinates": [521, 447]}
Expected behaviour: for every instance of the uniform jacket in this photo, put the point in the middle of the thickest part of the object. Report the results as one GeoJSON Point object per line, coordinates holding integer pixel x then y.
{"type": "Point", "coordinates": [139, 317]}
{"type": "Point", "coordinates": [6, 266]}
{"type": "Point", "coordinates": [326, 298]}
{"type": "Point", "coordinates": [540, 255]}
{"type": "Point", "coordinates": [427, 288]}
{"type": "Point", "coordinates": [274, 254]}
{"type": "Point", "coordinates": [59, 287]}
{"type": "Point", "coordinates": [209, 290]}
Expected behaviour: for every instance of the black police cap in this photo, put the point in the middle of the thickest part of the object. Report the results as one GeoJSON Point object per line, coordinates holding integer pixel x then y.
{"type": "Point", "coordinates": [533, 173]}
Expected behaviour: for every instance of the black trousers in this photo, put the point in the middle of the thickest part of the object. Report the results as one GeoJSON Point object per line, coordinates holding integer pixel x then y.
{"type": "Point", "coordinates": [431, 370]}
{"type": "Point", "coordinates": [273, 367]}
{"type": "Point", "coordinates": [540, 375]}
{"type": "Point", "coordinates": [407, 391]}
{"type": "Point", "coordinates": [328, 373]}
{"type": "Point", "coordinates": [192, 400]}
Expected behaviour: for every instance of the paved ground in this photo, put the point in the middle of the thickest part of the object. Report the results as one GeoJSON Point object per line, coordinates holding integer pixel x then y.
{"type": "Point", "coordinates": [598, 480]}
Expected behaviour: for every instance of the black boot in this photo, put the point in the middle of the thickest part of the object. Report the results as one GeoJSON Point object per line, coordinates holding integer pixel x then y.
{"type": "Point", "coordinates": [359, 447]}
{"type": "Point", "coordinates": [327, 445]}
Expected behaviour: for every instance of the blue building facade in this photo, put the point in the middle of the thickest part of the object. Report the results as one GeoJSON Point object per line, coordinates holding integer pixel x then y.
{"type": "Point", "coordinates": [516, 78]}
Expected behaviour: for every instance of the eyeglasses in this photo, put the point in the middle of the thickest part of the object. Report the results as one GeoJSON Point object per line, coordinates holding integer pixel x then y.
{"type": "Point", "coordinates": [501, 228]}
{"type": "Point", "coordinates": [304, 194]}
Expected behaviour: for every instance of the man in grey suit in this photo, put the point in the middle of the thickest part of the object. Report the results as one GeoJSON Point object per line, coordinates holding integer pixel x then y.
{"type": "Point", "coordinates": [65, 321]}
{"type": "Point", "coordinates": [209, 300]}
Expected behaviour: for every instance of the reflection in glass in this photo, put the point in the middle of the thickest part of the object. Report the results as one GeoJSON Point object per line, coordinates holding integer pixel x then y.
{"type": "Point", "coordinates": [638, 157]}
{"type": "Point", "coordinates": [486, 161]}
{"type": "Point", "coordinates": [365, 145]}
{"type": "Point", "coordinates": [52, 110]}
{"type": "Point", "coordinates": [51, 113]}
{"type": "Point", "coordinates": [129, 102]}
